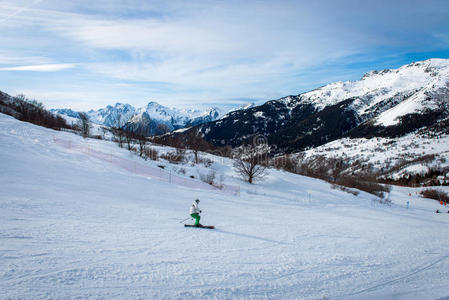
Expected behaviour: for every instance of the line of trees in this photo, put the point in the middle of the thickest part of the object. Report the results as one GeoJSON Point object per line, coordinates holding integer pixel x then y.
{"type": "Point", "coordinates": [32, 111]}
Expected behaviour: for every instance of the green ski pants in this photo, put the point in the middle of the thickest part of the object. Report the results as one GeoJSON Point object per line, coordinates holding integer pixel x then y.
{"type": "Point", "coordinates": [197, 218]}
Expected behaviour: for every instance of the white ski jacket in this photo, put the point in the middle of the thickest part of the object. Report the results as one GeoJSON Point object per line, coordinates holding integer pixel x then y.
{"type": "Point", "coordinates": [194, 209]}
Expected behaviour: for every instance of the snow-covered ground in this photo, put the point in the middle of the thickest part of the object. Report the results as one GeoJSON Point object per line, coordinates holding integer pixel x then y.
{"type": "Point", "coordinates": [74, 224]}
{"type": "Point", "coordinates": [388, 152]}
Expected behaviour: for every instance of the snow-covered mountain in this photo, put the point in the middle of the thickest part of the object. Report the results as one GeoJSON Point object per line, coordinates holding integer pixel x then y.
{"type": "Point", "coordinates": [383, 103]}
{"type": "Point", "coordinates": [153, 115]}
{"type": "Point", "coordinates": [150, 119]}
{"type": "Point", "coordinates": [241, 107]}
{"type": "Point", "coordinates": [68, 112]}
{"type": "Point", "coordinates": [116, 115]}
{"type": "Point", "coordinates": [388, 95]}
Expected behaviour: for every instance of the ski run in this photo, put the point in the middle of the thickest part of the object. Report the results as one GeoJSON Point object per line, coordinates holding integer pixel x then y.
{"type": "Point", "coordinates": [83, 218]}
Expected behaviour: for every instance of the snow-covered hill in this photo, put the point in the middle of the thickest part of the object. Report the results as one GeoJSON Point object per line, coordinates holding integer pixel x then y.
{"type": "Point", "coordinates": [82, 218]}
{"type": "Point", "coordinates": [383, 98]}
{"type": "Point", "coordinates": [147, 118]}
{"type": "Point", "coordinates": [397, 159]}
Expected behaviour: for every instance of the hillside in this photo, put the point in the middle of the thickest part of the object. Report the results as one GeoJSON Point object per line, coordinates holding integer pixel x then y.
{"type": "Point", "coordinates": [82, 218]}
{"type": "Point", "coordinates": [414, 159]}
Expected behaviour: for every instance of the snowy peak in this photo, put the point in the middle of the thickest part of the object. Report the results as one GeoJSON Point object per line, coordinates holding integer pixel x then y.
{"type": "Point", "coordinates": [383, 84]}
{"type": "Point", "coordinates": [242, 107]}
{"type": "Point", "coordinates": [410, 84]}
{"type": "Point", "coordinates": [66, 112]}
{"type": "Point", "coordinates": [115, 115]}
{"type": "Point", "coordinates": [120, 114]}
{"type": "Point", "coordinates": [178, 118]}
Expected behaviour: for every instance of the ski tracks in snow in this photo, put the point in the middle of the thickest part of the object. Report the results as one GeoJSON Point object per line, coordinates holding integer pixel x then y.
{"type": "Point", "coordinates": [382, 284]}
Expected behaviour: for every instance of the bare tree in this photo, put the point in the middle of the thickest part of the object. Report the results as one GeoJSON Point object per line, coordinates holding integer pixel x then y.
{"type": "Point", "coordinates": [22, 103]}
{"type": "Point", "coordinates": [118, 131]}
{"type": "Point", "coordinates": [142, 141]}
{"type": "Point", "coordinates": [24, 107]}
{"type": "Point", "coordinates": [129, 138]}
{"type": "Point", "coordinates": [84, 124]}
{"type": "Point", "coordinates": [250, 162]}
{"type": "Point", "coordinates": [196, 143]}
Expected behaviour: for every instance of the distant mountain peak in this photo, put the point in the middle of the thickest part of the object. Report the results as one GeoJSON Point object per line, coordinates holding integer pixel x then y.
{"type": "Point", "coordinates": [153, 103]}
{"type": "Point", "coordinates": [148, 117]}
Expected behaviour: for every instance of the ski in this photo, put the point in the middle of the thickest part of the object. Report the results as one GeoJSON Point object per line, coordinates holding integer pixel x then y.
{"type": "Point", "coordinates": [200, 226]}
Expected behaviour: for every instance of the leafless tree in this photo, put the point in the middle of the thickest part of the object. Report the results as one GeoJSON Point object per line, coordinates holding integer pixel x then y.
{"type": "Point", "coordinates": [175, 157]}
{"type": "Point", "coordinates": [129, 138]}
{"type": "Point", "coordinates": [196, 143]}
{"type": "Point", "coordinates": [250, 162]}
{"type": "Point", "coordinates": [31, 110]}
{"type": "Point", "coordinates": [84, 124]}
{"type": "Point", "coordinates": [151, 153]}
{"type": "Point", "coordinates": [142, 141]}
{"type": "Point", "coordinates": [22, 104]}
{"type": "Point", "coordinates": [118, 131]}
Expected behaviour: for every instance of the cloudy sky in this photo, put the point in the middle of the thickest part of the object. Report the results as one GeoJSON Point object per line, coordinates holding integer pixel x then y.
{"type": "Point", "coordinates": [87, 54]}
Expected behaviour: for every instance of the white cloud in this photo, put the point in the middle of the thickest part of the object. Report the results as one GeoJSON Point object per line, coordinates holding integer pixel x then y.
{"type": "Point", "coordinates": [202, 50]}
{"type": "Point", "coordinates": [11, 58]}
{"type": "Point", "coordinates": [215, 48]}
{"type": "Point", "coordinates": [18, 10]}
{"type": "Point", "coordinates": [40, 68]}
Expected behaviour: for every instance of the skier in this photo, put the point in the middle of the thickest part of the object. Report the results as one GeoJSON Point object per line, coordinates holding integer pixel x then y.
{"type": "Point", "coordinates": [195, 212]}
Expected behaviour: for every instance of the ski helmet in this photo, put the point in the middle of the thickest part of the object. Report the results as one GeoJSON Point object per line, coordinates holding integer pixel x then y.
{"type": "Point", "coordinates": [197, 200]}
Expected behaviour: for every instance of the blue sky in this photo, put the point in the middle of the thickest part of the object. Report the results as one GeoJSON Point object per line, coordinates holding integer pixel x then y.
{"type": "Point", "coordinates": [88, 54]}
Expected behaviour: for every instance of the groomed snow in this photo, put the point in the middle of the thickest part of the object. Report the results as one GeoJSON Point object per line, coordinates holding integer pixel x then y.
{"type": "Point", "coordinates": [76, 226]}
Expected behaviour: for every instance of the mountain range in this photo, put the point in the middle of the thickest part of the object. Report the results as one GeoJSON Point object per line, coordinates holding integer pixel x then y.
{"type": "Point", "coordinates": [387, 103]}
{"type": "Point", "coordinates": [151, 119]}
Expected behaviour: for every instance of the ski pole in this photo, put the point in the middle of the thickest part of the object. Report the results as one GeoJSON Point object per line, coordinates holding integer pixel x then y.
{"type": "Point", "coordinates": [184, 220]}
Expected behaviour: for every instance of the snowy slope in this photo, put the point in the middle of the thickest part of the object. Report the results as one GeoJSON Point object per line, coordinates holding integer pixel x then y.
{"type": "Point", "coordinates": [408, 151]}
{"type": "Point", "coordinates": [78, 219]}
{"type": "Point", "coordinates": [241, 107]}
{"type": "Point", "coordinates": [408, 85]}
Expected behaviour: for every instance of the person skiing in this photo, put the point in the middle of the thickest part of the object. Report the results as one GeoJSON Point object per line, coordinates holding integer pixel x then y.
{"type": "Point", "coordinates": [195, 212]}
